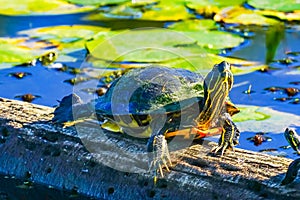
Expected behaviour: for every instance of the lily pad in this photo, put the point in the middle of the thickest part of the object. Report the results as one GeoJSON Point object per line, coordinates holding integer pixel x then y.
{"type": "Point", "coordinates": [209, 8]}
{"type": "Point", "coordinates": [67, 38]}
{"type": "Point", "coordinates": [288, 16]}
{"type": "Point", "coordinates": [264, 119]}
{"type": "Point", "coordinates": [215, 39]}
{"type": "Point", "coordinates": [118, 45]}
{"type": "Point", "coordinates": [15, 51]}
{"type": "Point", "coordinates": [203, 63]}
{"type": "Point", "coordinates": [250, 113]}
{"type": "Point", "coordinates": [39, 7]}
{"type": "Point", "coordinates": [239, 15]}
{"type": "Point", "coordinates": [157, 45]}
{"type": "Point", "coordinates": [219, 3]}
{"type": "Point", "coordinates": [161, 11]}
{"type": "Point", "coordinates": [96, 2]}
{"type": "Point", "coordinates": [167, 11]}
{"type": "Point", "coordinates": [194, 25]}
{"type": "Point", "coordinates": [278, 5]}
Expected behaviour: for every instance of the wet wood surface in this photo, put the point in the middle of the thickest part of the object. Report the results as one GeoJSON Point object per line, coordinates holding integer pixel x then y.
{"type": "Point", "coordinates": [90, 161]}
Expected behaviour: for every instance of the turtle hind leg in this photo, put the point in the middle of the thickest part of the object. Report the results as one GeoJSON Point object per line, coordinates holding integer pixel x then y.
{"type": "Point", "coordinates": [229, 137]}
{"type": "Point", "coordinates": [159, 156]}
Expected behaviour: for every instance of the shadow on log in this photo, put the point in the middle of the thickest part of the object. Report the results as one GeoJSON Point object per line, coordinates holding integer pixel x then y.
{"type": "Point", "coordinates": [101, 165]}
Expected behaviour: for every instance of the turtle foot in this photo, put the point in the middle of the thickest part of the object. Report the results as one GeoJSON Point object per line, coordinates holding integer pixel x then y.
{"type": "Point", "coordinates": [159, 157]}
{"type": "Point", "coordinates": [229, 138]}
{"type": "Point", "coordinates": [222, 147]}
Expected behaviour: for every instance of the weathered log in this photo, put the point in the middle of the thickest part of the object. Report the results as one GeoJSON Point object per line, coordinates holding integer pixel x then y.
{"type": "Point", "coordinates": [100, 165]}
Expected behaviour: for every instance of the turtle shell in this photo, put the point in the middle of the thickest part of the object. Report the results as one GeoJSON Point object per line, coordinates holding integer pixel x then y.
{"type": "Point", "coordinates": [152, 89]}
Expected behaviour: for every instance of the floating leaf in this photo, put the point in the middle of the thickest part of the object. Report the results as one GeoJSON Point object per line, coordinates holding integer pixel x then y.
{"type": "Point", "coordinates": [279, 5]}
{"type": "Point", "coordinates": [156, 45]}
{"type": "Point", "coordinates": [39, 7]}
{"type": "Point", "coordinates": [194, 25]}
{"type": "Point", "coordinates": [215, 39]}
{"type": "Point", "coordinates": [17, 50]}
{"type": "Point", "coordinates": [209, 8]}
{"type": "Point", "coordinates": [290, 16]}
{"type": "Point", "coordinates": [250, 113]}
{"type": "Point", "coordinates": [264, 119]}
{"type": "Point", "coordinates": [68, 38]}
{"type": "Point", "coordinates": [96, 2]}
{"type": "Point", "coordinates": [123, 12]}
{"type": "Point", "coordinates": [162, 11]}
{"type": "Point", "coordinates": [240, 15]}
{"type": "Point", "coordinates": [167, 11]}
{"type": "Point", "coordinates": [219, 3]}
{"type": "Point", "coordinates": [203, 63]}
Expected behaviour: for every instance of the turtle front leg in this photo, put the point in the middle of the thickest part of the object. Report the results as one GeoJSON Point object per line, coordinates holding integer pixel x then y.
{"type": "Point", "coordinates": [229, 137]}
{"type": "Point", "coordinates": [159, 155]}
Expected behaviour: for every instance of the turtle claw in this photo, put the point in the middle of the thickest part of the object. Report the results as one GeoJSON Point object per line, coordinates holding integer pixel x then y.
{"type": "Point", "coordinates": [160, 157]}
{"type": "Point", "coordinates": [222, 148]}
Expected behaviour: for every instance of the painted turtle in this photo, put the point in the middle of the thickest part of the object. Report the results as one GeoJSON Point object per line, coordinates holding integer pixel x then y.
{"type": "Point", "coordinates": [294, 140]}
{"type": "Point", "coordinates": [160, 102]}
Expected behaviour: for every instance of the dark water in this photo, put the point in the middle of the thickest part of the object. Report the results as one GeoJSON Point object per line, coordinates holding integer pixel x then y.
{"type": "Point", "coordinates": [50, 85]}
{"type": "Point", "coordinates": [15, 189]}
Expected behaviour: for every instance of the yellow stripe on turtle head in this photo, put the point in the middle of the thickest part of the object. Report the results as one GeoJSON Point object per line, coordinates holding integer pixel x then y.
{"type": "Point", "coordinates": [217, 85]}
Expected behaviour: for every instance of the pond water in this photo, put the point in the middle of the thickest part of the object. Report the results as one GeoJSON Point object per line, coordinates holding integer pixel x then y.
{"type": "Point", "coordinates": [50, 86]}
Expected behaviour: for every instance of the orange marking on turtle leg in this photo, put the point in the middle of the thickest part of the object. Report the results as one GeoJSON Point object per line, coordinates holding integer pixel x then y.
{"type": "Point", "coordinates": [207, 133]}
{"type": "Point", "coordinates": [194, 132]}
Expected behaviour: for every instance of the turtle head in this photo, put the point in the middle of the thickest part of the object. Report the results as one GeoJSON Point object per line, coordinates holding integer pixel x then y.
{"type": "Point", "coordinates": [293, 139]}
{"type": "Point", "coordinates": [217, 84]}
{"type": "Point", "coordinates": [219, 80]}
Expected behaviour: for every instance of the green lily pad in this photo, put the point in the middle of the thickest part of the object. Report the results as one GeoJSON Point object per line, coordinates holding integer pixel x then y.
{"type": "Point", "coordinates": [96, 2]}
{"type": "Point", "coordinates": [157, 45]}
{"type": "Point", "coordinates": [250, 113]}
{"type": "Point", "coordinates": [219, 3]}
{"type": "Point", "coordinates": [239, 15]}
{"type": "Point", "coordinates": [39, 7]}
{"type": "Point", "coordinates": [209, 8]}
{"type": "Point", "coordinates": [167, 11]}
{"type": "Point", "coordinates": [124, 12]}
{"type": "Point", "coordinates": [203, 63]}
{"type": "Point", "coordinates": [194, 25]}
{"type": "Point", "coordinates": [289, 16]}
{"type": "Point", "coordinates": [162, 11]}
{"type": "Point", "coordinates": [264, 119]}
{"type": "Point", "coordinates": [18, 50]}
{"type": "Point", "coordinates": [119, 45]}
{"type": "Point", "coordinates": [67, 38]}
{"type": "Point", "coordinates": [215, 39]}
{"type": "Point", "coordinates": [278, 5]}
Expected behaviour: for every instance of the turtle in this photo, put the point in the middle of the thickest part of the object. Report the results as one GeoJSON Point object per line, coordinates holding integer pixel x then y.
{"type": "Point", "coordinates": [158, 103]}
{"type": "Point", "coordinates": [294, 140]}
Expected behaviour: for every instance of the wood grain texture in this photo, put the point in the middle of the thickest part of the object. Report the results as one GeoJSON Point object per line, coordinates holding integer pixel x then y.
{"type": "Point", "coordinates": [114, 166]}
